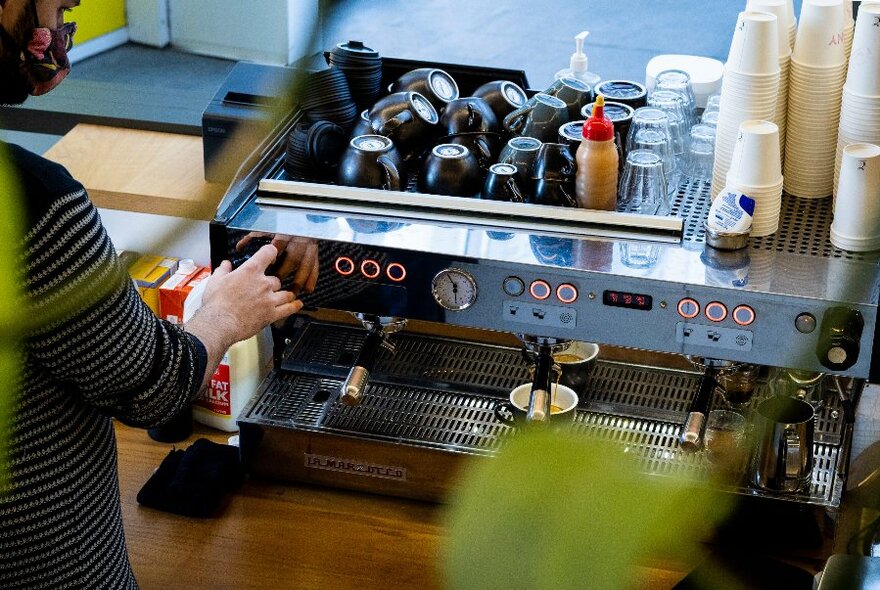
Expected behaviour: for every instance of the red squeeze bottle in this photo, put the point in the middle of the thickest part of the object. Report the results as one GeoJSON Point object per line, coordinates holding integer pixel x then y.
{"type": "Point", "coordinates": [596, 181]}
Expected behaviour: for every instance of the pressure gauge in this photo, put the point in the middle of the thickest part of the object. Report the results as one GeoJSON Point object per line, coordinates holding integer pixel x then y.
{"type": "Point", "coordinates": [454, 289]}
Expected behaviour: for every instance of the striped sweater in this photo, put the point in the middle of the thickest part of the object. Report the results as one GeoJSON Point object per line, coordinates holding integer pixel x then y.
{"type": "Point", "coordinates": [94, 351]}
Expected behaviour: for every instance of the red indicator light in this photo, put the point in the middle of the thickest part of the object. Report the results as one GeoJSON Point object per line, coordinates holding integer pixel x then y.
{"type": "Point", "coordinates": [396, 272]}
{"type": "Point", "coordinates": [344, 265]}
{"type": "Point", "coordinates": [370, 269]}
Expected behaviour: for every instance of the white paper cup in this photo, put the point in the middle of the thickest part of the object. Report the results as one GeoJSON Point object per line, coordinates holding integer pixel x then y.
{"type": "Point", "coordinates": [820, 40]}
{"type": "Point", "coordinates": [755, 160]}
{"type": "Point", "coordinates": [754, 47]}
{"type": "Point", "coordinates": [778, 9]}
{"type": "Point", "coordinates": [857, 208]}
{"type": "Point", "coordinates": [863, 75]}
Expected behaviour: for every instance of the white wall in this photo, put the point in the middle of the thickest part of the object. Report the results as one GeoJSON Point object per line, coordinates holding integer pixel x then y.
{"type": "Point", "coordinates": [266, 31]}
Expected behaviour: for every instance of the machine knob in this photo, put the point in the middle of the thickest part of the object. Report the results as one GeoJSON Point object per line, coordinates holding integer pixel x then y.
{"type": "Point", "coordinates": [841, 332]}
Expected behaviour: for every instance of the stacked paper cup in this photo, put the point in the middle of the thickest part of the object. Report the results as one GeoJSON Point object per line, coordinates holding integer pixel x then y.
{"type": "Point", "coordinates": [848, 27]}
{"type": "Point", "coordinates": [750, 86]}
{"type": "Point", "coordinates": [860, 109]}
{"type": "Point", "coordinates": [792, 22]}
{"type": "Point", "coordinates": [856, 225]}
{"type": "Point", "coordinates": [779, 9]}
{"type": "Point", "coordinates": [756, 171]}
{"type": "Point", "coordinates": [818, 69]}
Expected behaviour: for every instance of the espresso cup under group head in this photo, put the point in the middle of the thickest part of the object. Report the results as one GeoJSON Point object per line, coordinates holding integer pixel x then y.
{"type": "Point", "coordinates": [563, 402]}
{"type": "Point", "coordinates": [408, 118]}
{"type": "Point", "coordinates": [372, 161]}
{"type": "Point", "coordinates": [451, 169]}
{"type": "Point", "coordinates": [503, 97]}
{"type": "Point", "coordinates": [576, 363]}
{"type": "Point", "coordinates": [434, 84]}
{"type": "Point", "coordinates": [501, 184]}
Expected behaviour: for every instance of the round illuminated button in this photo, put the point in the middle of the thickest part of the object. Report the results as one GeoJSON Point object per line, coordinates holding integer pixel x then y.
{"type": "Point", "coordinates": [540, 290]}
{"type": "Point", "coordinates": [344, 265]}
{"type": "Point", "coordinates": [688, 308]}
{"type": "Point", "coordinates": [370, 269]}
{"type": "Point", "coordinates": [805, 323]}
{"type": "Point", "coordinates": [567, 293]}
{"type": "Point", "coordinates": [716, 311]}
{"type": "Point", "coordinates": [743, 315]}
{"type": "Point", "coordinates": [513, 286]}
{"type": "Point", "coordinates": [396, 272]}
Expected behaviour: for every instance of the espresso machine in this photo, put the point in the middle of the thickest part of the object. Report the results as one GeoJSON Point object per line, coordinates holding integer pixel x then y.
{"type": "Point", "coordinates": [371, 405]}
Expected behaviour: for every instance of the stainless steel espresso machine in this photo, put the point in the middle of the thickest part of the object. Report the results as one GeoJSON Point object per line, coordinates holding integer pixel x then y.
{"type": "Point", "coordinates": [376, 407]}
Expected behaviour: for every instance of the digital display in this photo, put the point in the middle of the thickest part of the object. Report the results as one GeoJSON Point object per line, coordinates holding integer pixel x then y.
{"type": "Point", "coordinates": [627, 300]}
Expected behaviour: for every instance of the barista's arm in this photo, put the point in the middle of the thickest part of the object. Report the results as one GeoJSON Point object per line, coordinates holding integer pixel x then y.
{"type": "Point", "coordinates": [93, 334]}
{"type": "Point", "coordinates": [239, 303]}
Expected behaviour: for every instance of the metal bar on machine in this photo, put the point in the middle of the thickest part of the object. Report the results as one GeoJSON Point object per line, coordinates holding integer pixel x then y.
{"type": "Point", "coordinates": [471, 211]}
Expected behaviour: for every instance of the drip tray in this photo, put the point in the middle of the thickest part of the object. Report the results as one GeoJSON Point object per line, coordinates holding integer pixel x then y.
{"type": "Point", "coordinates": [432, 404]}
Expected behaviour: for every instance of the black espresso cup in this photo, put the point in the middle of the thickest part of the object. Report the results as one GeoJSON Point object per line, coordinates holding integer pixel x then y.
{"type": "Point", "coordinates": [434, 84]}
{"type": "Point", "coordinates": [485, 146]}
{"type": "Point", "coordinates": [573, 92]}
{"type": "Point", "coordinates": [521, 152]}
{"type": "Point", "coordinates": [501, 184]}
{"type": "Point", "coordinates": [540, 118]}
{"type": "Point", "coordinates": [452, 170]}
{"type": "Point", "coordinates": [408, 118]}
{"type": "Point", "coordinates": [571, 134]}
{"type": "Point", "coordinates": [626, 92]}
{"type": "Point", "coordinates": [468, 115]}
{"type": "Point", "coordinates": [503, 97]}
{"type": "Point", "coordinates": [553, 176]}
{"type": "Point", "coordinates": [363, 125]}
{"type": "Point", "coordinates": [554, 162]}
{"type": "Point", "coordinates": [372, 161]}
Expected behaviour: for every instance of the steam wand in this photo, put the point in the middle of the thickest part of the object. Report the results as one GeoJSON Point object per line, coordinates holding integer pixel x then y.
{"type": "Point", "coordinates": [539, 398]}
{"type": "Point", "coordinates": [378, 329]}
{"type": "Point", "coordinates": [694, 429]}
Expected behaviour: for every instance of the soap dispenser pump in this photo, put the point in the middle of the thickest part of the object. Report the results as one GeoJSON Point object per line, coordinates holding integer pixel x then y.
{"type": "Point", "coordinates": [578, 65]}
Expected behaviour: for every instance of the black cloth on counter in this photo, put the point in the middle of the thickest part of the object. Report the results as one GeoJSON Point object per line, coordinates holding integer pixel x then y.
{"type": "Point", "coordinates": [193, 482]}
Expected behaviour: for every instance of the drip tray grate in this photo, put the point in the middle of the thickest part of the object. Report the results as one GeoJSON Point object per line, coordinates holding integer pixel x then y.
{"type": "Point", "coordinates": [640, 408]}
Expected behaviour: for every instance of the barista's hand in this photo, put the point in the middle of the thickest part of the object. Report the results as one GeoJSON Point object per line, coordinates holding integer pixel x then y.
{"type": "Point", "coordinates": [297, 258]}
{"type": "Point", "coordinates": [239, 303]}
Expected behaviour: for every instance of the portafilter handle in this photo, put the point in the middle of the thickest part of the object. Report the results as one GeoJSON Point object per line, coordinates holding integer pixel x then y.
{"type": "Point", "coordinates": [539, 398]}
{"type": "Point", "coordinates": [694, 429]}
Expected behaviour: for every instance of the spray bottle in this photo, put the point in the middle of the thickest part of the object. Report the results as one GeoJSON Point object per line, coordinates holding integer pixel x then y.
{"type": "Point", "coordinates": [577, 67]}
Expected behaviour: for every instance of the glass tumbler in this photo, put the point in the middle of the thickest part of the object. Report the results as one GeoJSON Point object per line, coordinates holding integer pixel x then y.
{"type": "Point", "coordinates": [642, 187]}
{"type": "Point", "coordinates": [713, 103]}
{"type": "Point", "coordinates": [646, 118]}
{"type": "Point", "coordinates": [659, 143]}
{"type": "Point", "coordinates": [701, 153]}
{"type": "Point", "coordinates": [679, 125]}
{"type": "Point", "coordinates": [710, 118]}
{"type": "Point", "coordinates": [679, 81]}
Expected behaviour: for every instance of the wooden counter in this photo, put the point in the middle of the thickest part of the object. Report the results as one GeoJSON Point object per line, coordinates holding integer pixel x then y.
{"type": "Point", "coordinates": [140, 171]}
{"type": "Point", "coordinates": [272, 535]}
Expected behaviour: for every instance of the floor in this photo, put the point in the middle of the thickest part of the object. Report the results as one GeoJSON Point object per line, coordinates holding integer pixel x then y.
{"type": "Point", "coordinates": [165, 88]}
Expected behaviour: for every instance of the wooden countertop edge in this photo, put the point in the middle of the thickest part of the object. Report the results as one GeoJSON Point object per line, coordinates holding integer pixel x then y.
{"type": "Point", "coordinates": [202, 210]}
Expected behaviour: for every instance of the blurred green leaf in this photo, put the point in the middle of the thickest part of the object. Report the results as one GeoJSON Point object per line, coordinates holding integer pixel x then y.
{"type": "Point", "coordinates": [556, 510]}
{"type": "Point", "coordinates": [11, 303]}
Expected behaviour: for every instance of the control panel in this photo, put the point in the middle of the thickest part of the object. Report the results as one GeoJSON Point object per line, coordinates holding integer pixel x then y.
{"type": "Point", "coordinates": [728, 323]}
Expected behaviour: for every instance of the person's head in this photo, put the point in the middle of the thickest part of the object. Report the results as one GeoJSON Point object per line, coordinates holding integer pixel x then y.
{"type": "Point", "coordinates": [34, 41]}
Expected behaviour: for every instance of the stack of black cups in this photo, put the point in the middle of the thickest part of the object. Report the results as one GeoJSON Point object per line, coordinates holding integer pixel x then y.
{"type": "Point", "coordinates": [314, 149]}
{"type": "Point", "coordinates": [326, 97]}
{"type": "Point", "coordinates": [362, 67]}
